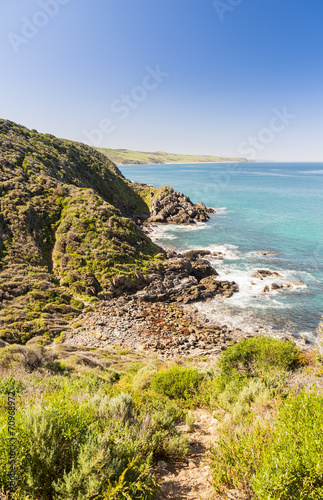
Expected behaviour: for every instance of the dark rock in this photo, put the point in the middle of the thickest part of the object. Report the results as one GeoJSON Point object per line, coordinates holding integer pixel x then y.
{"type": "Point", "coordinates": [265, 273]}
{"type": "Point", "coordinates": [202, 269]}
{"type": "Point", "coordinates": [196, 254]}
{"type": "Point", "coordinates": [276, 286]}
{"type": "Point", "coordinates": [176, 208]}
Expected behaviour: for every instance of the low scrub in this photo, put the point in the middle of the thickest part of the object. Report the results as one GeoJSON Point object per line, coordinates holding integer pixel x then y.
{"type": "Point", "coordinates": [178, 383]}
{"type": "Point", "coordinates": [291, 464]}
{"type": "Point", "coordinates": [259, 356]}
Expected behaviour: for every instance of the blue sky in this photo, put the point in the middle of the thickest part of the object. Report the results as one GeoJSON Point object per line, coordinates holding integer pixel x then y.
{"type": "Point", "coordinates": [186, 76]}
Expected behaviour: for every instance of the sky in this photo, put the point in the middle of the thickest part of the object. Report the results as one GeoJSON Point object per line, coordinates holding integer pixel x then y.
{"type": "Point", "coordinates": [223, 77]}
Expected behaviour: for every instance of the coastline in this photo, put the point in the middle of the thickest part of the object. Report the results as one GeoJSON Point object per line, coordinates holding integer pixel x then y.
{"type": "Point", "coordinates": [185, 163]}
{"type": "Point", "coordinates": [219, 312]}
{"type": "Point", "coordinates": [168, 328]}
{"type": "Point", "coordinates": [169, 310]}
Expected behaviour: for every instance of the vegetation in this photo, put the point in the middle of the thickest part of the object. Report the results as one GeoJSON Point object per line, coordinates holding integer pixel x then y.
{"type": "Point", "coordinates": [65, 230]}
{"type": "Point", "coordinates": [92, 424]}
{"type": "Point", "coordinates": [125, 156]}
{"type": "Point", "coordinates": [85, 431]}
{"type": "Point", "coordinates": [267, 421]}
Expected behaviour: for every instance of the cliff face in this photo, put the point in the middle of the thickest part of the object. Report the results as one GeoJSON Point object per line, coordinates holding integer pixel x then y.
{"type": "Point", "coordinates": [65, 230]}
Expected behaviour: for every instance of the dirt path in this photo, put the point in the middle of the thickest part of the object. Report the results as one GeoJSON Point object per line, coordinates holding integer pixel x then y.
{"type": "Point", "coordinates": [190, 479]}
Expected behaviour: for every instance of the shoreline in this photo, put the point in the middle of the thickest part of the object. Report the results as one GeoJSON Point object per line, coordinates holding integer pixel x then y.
{"type": "Point", "coordinates": [162, 311]}
{"type": "Point", "coordinates": [165, 328]}
{"type": "Point", "coordinates": [250, 324]}
{"type": "Point", "coordinates": [185, 163]}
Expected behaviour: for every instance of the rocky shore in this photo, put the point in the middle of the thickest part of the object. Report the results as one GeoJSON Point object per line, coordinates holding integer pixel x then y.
{"type": "Point", "coordinates": [163, 328]}
{"type": "Point", "coordinates": [151, 313]}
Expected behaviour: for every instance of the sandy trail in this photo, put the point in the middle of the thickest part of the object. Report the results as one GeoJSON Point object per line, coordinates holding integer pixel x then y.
{"type": "Point", "coordinates": [190, 479]}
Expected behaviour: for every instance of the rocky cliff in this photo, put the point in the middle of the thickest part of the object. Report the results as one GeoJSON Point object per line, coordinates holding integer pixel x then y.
{"type": "Point", "coordinates": [68, 232]}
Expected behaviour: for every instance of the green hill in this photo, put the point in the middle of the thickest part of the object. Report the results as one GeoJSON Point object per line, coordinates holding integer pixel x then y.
{"type": "Point", "coordinates": [125, 156]}
{"type": "Point", "coordinates": [65, 230]}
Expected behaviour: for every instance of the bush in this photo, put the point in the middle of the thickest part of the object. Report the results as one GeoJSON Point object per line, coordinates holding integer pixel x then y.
{"type": "Point", "coordinates": [143, 377]}
{"type": "Point", "coordinates": [121, 406]}
{"type": "Point", "coordinates": [236, 456]}
{"type": "Point", "coordinates": [257, 356]}
{"type": "Point", "coordinates": [178, 383]}
{"type": "Point", "coordinates": [77, 450]}
{"type": "Point", "coordinates": [49, 441]}
{"type": "Point", "coordinates": [27, 358]}
{"type": "Point", "coordinates": [292, 464]}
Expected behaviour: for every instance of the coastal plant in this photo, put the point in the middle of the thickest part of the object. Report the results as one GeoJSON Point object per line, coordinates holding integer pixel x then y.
{"type": "Point", "coordinates": [236, 456]}
{"type": "Point", "coordinates": [190, 420]}
{"type": "Point", "coordinates": [178, 383]}
{"type": "Point", "coordinates": [291, 465]}
{"type": "Point", "coordinates": [143, 377]}
{"type": "Point", "coordinates": [257, 356]}
{"type": "Point", "coordinates": [121, 406]}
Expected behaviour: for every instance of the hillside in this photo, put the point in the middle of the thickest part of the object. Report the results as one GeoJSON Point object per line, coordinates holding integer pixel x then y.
{"type": "Point", "coordinates": [125, 156]}
{"type": "Point", "coordinates": [65, 230]}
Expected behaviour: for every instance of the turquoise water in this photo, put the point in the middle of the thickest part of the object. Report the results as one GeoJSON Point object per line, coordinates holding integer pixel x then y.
{"type": "Point", "coordinates": [263, 207]}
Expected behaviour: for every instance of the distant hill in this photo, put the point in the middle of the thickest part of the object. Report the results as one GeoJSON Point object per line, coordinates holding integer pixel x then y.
{"type": "Point", "coordinates": [126, 157]}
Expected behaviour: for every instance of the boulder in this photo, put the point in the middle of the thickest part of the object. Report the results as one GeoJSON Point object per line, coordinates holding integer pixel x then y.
{"type": "Point", "coordinates": [265, 273]}
{"type": "Point", "coordinates": [196, 254]}
{"type": "Point", "coordinates": [276, 286]}
{"type": "Point", "coordinates": [176, 208]}
{"type": "Point", "coordinates": [202, 269]}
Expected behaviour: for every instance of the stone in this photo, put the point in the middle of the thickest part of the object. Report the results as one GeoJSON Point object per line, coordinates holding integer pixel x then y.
{"type": "Point", "coordinates": [265, 273]}
{"type": "Point", "coordinates": [176, 208]}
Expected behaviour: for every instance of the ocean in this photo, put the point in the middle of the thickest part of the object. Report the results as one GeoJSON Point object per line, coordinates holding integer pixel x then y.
{"type": "Point", "coordinates": [275, 208]}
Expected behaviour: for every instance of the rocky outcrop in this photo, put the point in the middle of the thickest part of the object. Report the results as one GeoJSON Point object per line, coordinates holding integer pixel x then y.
{"type": "Point", "coordinates": [177, 279]}
{"type": "Point", "coordinates": [265, 273]}
{"type": "Point", "coordinates": [185, 281]}
{"type": "Point", "coordinates": [176, 208]}
{"type": "Point", "coordinates": [196, 254]}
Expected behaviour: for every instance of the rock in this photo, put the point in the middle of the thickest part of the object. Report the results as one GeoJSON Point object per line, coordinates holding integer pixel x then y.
{"type": "Point", "coordinates": [202, 269]}
{"type": "Point", "coordinates": [266, 289]}
{"type": "Point", "coordinates": [276, 286]}
{"type": "Point", "coordinates": [196, 254]}
{"type": "Point", "coordinates": [176, 208]}
{"type": "Point", "coordinates": [265, 273]}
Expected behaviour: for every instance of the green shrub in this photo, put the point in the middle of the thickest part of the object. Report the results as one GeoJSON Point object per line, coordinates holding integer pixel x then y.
{"type": "Point", "coordinates": [166, 440]}
{"type": "Point", "coordinates": [143, 377]}
{"type": "Point", "coordinates": [178, 383]}
{"type": "Point", "coordinates": [236, 456]}
{"type": "Point", "coordinates": [70, 450]}
{"type": "Point", "coordinates": [49, 440]}
{"type": "Point", "coordinates": [291, 465]}
{"type": "Point", "coordinates": [257, 356]}
{"type": "Point", "coordinates": [121, 406]}
{"type": "Point", "coordinates": [26, 357]}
